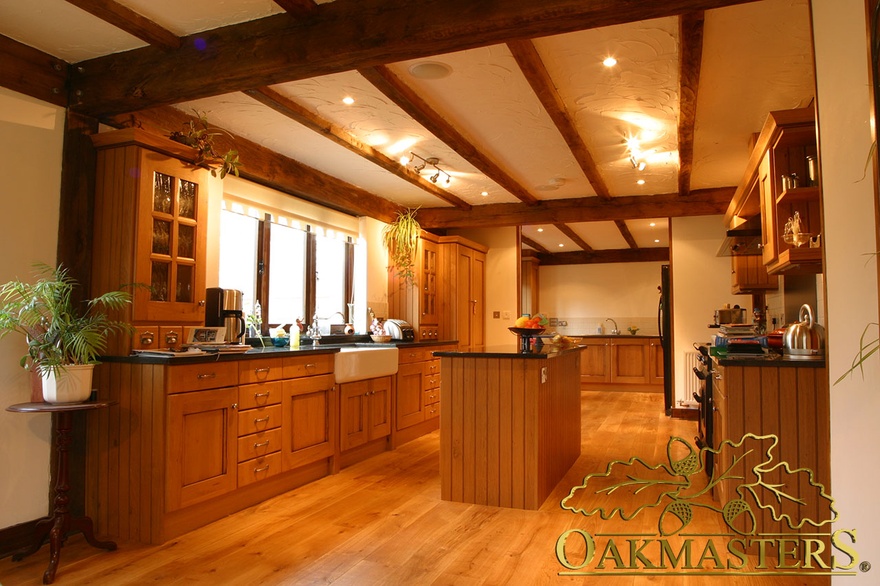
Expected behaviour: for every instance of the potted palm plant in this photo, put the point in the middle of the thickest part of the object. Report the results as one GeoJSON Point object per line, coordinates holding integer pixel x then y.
{"type": "Point", "coordinates": [64, 340]}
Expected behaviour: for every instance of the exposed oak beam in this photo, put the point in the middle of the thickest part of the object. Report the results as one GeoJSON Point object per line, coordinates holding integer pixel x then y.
{"type": "Point", "coordinates": [573, 236]}
{"type": "Point", "coordinates": [702, 202]}
{"type": "Point", "coordinates": [309, 119]}
{"type": "Point", "coordinates": [605, 256]}
{"type": "Point", "coordinates": [627, 235]}
{"type": "Point", "coordinates": [343, 35]}
{"type": "Point", "coordinates": [135, 24]}
{"type": "Point", "coordinates": [691, 35]}
{"type": "Point", "coordinates": [298, 8]}
{"type": "Point", "coordinates": [533, 244]}
{"type": "Point", "coordinates": [266, 167]}
{"type": "Point", "coordinates": [411, 103]}
{"type": "Point", "coordinates": [536, 74]}
{"type": "Point", "coordinates": [31, 72]}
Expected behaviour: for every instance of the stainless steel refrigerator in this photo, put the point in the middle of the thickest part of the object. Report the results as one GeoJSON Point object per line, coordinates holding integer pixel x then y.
{"type": "Point", "coordinates": [664, 325]}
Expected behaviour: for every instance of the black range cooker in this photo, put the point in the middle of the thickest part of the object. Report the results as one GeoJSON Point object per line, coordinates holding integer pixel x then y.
{"type": "Point", "coordinates": [703, 397]}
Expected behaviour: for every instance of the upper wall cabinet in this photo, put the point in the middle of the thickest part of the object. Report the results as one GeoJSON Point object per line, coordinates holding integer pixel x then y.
{"type": "Point", "coordinates": [782, 183]}
{"type": "Point", "coordinates": [149, 229]}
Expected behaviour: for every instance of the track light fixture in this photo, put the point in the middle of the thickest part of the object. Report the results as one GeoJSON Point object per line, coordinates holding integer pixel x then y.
{"type": "Point", "coordinates": [425, 163]}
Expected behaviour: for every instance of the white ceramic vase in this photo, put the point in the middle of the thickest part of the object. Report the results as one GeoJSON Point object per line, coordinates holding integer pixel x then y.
{"type": "Point", "coordinates": [73, 384]}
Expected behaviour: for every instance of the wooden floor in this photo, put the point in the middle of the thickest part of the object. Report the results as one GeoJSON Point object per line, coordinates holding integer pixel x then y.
{"type": "Point", "coordinates": [382, 522]}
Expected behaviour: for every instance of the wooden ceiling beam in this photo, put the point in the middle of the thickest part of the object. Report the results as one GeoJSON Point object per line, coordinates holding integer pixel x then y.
{"type": "Point", "coordinates": [701, 202]}
{"type": "Point", "coordinates": [137, 25]}
{"type": "Point", "coordinates": [536, 74]}
{"type": "Point", "coordinates": [573, 236]}
{"type": "Point", "coordinates": [627, 235]}
{"type": "Point", "coordinates": [284, 105]}
{"type": "Point", "coordinates": [411, 103]}
{"type": "Point", "coordinates": [266, 167]}
{"type": "Point", "coordinates": [529, 242]}
{"type": "Point", "coordinates": [341, 36]}
{"type": "Point", "coordinates": [691, 35]}
{"type": "Point", "coordinates": [298, 8]}
{"type": "Point", "coordinates": [31, 72]}
{"type": "Point", "coordinates": [605, 256]}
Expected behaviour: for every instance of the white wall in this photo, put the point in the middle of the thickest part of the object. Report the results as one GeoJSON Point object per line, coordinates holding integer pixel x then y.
{"type": "Point", "coordinates": [30, 165]}
{"type": "Point", "coordinates": [501, 283]}
{"type": "Point", "coordinates": [851, 282]}
{"type": "Point", "coordinates": [375, 276]}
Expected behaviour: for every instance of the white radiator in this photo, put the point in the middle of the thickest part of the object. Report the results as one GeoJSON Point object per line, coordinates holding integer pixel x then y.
{"type": "Point", "coordinates": [691, 382]}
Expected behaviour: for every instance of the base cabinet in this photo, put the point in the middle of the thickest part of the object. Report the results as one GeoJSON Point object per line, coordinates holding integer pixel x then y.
{"type": "Point", "coordinates": [309, 416]}
{"type": "Point", "coordinates": [621, 362]}
{"type": "Point", "coordinates": [595, 360]}
{"type": "Point", "coordinates": [364, 412]}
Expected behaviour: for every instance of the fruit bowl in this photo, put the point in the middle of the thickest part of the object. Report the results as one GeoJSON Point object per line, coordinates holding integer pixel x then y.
{"type": "Point", "coordinates": [525, 337]}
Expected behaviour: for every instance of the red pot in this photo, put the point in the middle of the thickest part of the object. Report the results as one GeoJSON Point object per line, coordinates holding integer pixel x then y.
{"type": "Point", "coordinates": [774, 338]}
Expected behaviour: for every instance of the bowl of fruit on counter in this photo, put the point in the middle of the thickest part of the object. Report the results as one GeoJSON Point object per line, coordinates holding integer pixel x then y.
{"type": "Point", "coordinates": [527, 327]}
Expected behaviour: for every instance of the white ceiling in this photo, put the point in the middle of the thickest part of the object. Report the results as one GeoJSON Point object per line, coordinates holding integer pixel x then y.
{"type": "Point", "coordinates": [757, 57]}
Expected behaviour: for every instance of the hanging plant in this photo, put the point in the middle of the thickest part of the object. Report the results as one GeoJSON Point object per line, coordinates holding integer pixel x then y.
{"type": "Point", "coordinates": [198, 134]}
{"type": "Point", "coordinates": [401, 238]}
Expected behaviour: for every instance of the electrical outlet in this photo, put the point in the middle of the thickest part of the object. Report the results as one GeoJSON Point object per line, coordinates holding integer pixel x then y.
{"type": "Point", "coordinates": [506, 315]}
{"type": "Point", "coordinates": [496, 315]}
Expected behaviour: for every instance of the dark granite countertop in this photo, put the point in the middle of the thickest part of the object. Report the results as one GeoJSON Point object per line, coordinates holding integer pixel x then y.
{"type": "Point", "coordinates": [773, 359]}
{"type": "Point", "coordinates": [507, 351]}
{"type": "Point", "coordinates": [626, 335]}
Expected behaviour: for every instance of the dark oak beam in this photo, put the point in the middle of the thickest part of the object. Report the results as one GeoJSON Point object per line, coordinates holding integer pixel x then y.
{"type": "Point", "coordinates": [627, 235]}
{"type": "Point", "coordinates": [266, 167]}
{"type": "Point", "coordinates": [573, 236]}
{"type": "Point", "coordinates": [33, 73]}
{"type": "Point", "coordinates": [294, 111]}
{"type": "Point", "coordinates": [691, 35]}
{"type": "Point", "coordinates": [605, 256]}
{"type": "Point", "coordinates": [528, 241]}
{"type": "Point", "coordinates": [702, 202]}
{"type": "Point", "coordinates": [536, 74]}
{"type": "Point", "coordinates": [128, 20]}
{"type": "Point", "coordinates": [411, 103]}
{"type": "Point", "coordinates": [298, 8]}
{"type": "Point", "coordinates": [341, 36]}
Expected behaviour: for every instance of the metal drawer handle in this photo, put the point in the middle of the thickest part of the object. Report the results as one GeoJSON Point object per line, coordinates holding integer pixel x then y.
{"type": "Point", "coordinates": [146, 338]}
{"type": "Point", "coordinates": [310, 365]}
{"type": "Point", "coordinates": [262, 419]}
{"type": "Point", "coordinates": [261, 444]}
{"type": "Point", "coordinates": [263, 469]}
{"type": "Point", "coordinates": [259, 370]}
{"type": "Point", "coordinates": [258, 395]}
{"type": "Point", "coordinates": [208, 375]}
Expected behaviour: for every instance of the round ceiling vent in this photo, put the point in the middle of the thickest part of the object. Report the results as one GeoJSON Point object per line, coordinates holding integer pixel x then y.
{"type": "Point", "coordinates": [430, 70]}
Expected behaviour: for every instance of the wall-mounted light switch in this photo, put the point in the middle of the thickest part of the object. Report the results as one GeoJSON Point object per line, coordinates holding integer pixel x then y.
{"type": "Point", "coordinates": [496, 315]}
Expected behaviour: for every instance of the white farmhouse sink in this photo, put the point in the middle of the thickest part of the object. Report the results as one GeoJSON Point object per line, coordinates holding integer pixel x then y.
{"type": "Point", "coordinates": [362, 362]}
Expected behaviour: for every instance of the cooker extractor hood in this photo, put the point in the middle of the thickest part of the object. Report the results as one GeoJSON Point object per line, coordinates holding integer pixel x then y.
{"type": "Point", "coordinates": [743, 240]}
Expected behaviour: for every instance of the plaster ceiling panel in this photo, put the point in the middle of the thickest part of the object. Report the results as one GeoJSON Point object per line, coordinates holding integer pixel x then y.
{"type": "Point", "coordinates": [492, 104]}
{"type": "Point", "coordinates": [249, 119]}
{"type": "Point", "coordinates": [600, 235]}
{"type": "Point", "coordinates": [192, 16]}
{"type": "Point", "coordinates": [375, 120]}
{"type": "Point", "coordinates": [63, 30]}
{"type": "Point", "coordinates": [757, 58]}
{"type": "Point", "coordinates": [650, 233]}
{"type": "Point", "coordinates": [637, 97]}
{"type": "Point", "coordinates": [550, 237]}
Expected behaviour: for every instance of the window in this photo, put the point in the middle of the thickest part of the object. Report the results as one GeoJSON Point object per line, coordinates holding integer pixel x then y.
{"type": "Point", "coordinates": [294, 272]}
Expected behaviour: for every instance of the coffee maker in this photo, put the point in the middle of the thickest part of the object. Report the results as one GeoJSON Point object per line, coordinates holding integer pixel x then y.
{"type": "Point", "coordinates": [223, 309]}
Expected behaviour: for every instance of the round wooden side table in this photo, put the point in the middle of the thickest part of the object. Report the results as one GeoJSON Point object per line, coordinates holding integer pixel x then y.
{"type": "Point", "coordinates": [61, 522]}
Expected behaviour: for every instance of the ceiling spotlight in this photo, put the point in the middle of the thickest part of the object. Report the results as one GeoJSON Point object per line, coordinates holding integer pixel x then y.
{"type": "Point", "coordinates": [609, 62]}
{"type": "Point", "coordinates": [404, 160]}
{"type": "Point", "coordinates": [424, 164]}
{"type": "Point", "coordinates": [540, 229]}
{"type": "Point", "coordinates": [640, 182]}
{"type": "Point", "coordinates": [435, 177]}
{"type": "Point", "coordinates": [561, 245]}
{"type": "Point", "coordinates": [484, 193]}
{"type": "Point", "coordinates": [348, 100]}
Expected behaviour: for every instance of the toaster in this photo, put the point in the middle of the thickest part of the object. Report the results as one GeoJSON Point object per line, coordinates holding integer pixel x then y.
{"type": "Point", "coordinates": [399, 329]}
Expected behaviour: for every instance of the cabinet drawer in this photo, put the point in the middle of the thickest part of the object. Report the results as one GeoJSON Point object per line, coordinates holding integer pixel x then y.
{"type": "Point", "coordinates": [298, 366]}
{"type": "Point", "coordinates": [259, 395]}
{"type": "Point", "coordinates": [432, 380]}
{"type": "Point", "coordinates": [259, 469]}
{"type": "Point", "coordinates": [432, 396]}
{"type": "Point", "coordinates": [257, 371]}
{"type": "Point", "coordinates": [198, 377]}
{"type": "Point", "coordinates": [259, 419]}
{"type": "Point", "coordinates": [259, 444]}
{"type": "Point", "coordinates": [432, 411]}
{"type": "Point", "coordinates": [407, 355]}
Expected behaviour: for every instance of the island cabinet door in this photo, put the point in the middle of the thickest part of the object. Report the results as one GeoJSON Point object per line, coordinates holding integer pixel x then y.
{"type": "Point", "coordinates": [202, 454]}
{"type": "Point", "coordinates": [595, 360]}
{"type": "Point", "coordinates": [629, 361]}
{"type": "Point", "coordinates": [309, 419]}
{"type": "Point", "coordinates": [410, 394]}
{"type": "Point", "coordinates": [655, 362]}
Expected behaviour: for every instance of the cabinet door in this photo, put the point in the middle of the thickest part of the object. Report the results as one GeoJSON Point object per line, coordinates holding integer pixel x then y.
{"type": "Point", "coordinates": [629, 361]}
{"type": "Point", "coordinates": [655, 362]}
{"type": "Point", "coordinates": [596, 360]}
{"type": "Point", "coordinates": [428, 283]}
{"type": "Point", "coordinates": [171, 241]}
{"type": "Point", "coordinates": [202, 436]}
{"type": "Point", "coordinates": [469, 292]}
{"type": "Point", "coordinates": [748, 273]}
{"type": "Point", "coordinates": [410, 391]}
{"type": "Point", "coordinates": [309, 419]}
{"type": "Point", "coordinates": [379, 408]}
{"type": "Point", "coordinates": [769, 250]}
{"type": "Point", "coordinates": [353, 426]}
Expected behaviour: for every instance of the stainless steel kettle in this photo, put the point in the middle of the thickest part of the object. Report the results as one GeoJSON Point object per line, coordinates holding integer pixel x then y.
{"type": "Point", "coordinates": [804, 340]}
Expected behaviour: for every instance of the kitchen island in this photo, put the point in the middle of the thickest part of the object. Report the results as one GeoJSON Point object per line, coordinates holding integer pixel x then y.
{"type": "Point", "coordinates": [510, 424]}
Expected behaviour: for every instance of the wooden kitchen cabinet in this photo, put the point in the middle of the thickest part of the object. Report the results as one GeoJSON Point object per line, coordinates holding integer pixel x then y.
{"type": "Point", "coordinates": [621, 362]}
{"type": "Point", "coordinates": [629, 360]}
{"type": "Point", "coordinates": [409, 399]}
{"type": "Point", "coordinates": [595, 360]}
{"type": "Point", "coordinates": [150, 228]}
{"type": "Point", "coordinates": [202, 437]}
{"type": "Point", "coordinates": [463, 264]}
{"type": "Point", "coordinates": [309, 420]}
{"type": "Point", "coordinates": [655, 362]}
{"type": "Point", "coordinates": [417, 301]}
{"type": "Point", "coordinates": [365, 412]}
{"type": "Point", "coordinates": [749, 274]}
{"type": "Point", "coordinates": [416, 409]}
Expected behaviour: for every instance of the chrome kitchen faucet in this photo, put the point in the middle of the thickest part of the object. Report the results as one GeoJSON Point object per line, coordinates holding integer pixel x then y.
{"type": "Point", "coordinates": [615, 331]}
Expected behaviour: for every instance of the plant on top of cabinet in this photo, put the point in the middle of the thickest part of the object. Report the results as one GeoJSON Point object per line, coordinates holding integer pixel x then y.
{"type": "Point", "coordinates": [200, 136]}
{"type": "Point", "coordinates": [401, 238]}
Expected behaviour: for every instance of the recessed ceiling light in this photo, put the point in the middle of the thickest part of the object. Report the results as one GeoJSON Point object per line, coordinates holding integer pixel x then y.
{"type": "Point", "coordinates": [484, 193]}
{"type": "Point", "coordinates": [641, 181]}
{"type": "Point", "coordinates": [430, 70]}
{"type": "Point", "coordinates": [656, 240]}
{"type": "Point", "coordinates": [609, 62]}
{"type": "Point", "coordinates": [540, 229]}
{"type": "Point", "coordinates": [348, 100]}
{"type": "Point", "coordinates": [561, 245]}
{"type": "Point", "coordinates": [652, 224]}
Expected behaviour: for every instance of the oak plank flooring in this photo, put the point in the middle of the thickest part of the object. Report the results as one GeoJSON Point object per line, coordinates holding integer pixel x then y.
{"type": "Point", "coordinates": [382, 522]}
